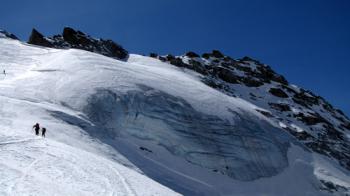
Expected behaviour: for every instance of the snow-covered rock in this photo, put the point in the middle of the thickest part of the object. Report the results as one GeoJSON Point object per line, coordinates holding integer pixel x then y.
{"type": "Point", "coordinates": [325, 127]}
{"type": "Point", "coordinates": [5, 34]}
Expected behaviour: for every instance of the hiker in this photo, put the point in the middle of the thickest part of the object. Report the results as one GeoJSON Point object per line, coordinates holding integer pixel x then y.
{"type": "Point", "coordinates": [43, 131]}
{"type": "Point", "coordinates": [36, 128]}
{"type": "Point", "coordinates": [4, 72]}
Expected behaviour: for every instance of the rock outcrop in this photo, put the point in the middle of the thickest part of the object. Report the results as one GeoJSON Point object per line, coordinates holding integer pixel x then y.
{"type": "Point", "coordinates": [308, 117]}
{"type": "Point", "coordinates": [71, 38]}
{"type": "Point", "coordinates": [8, 35]}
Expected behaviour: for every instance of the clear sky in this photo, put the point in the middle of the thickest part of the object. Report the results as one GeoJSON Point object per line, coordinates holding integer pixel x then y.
{"type": "Point", "coordinates": [308, 41]}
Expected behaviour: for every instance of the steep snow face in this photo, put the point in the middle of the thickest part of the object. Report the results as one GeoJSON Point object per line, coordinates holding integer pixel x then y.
{"type": "Point", "coordinates": [165, 121]}
{"type": "Point", "coordinates": [244, 147]}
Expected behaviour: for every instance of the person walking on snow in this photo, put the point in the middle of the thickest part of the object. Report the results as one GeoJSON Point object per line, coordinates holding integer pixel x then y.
{"type": "Point", "coordinates": [43, 131]}
{"type": "Point", "coordinates": [4, 72]}
{"type": "Point", "coordinates": [36, 128]}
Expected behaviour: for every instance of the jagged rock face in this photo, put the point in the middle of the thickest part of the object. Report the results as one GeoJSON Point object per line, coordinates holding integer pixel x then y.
{"type": "Point", "coordinates": [71, 38]}
{"type": "Point", "coordinates": [37, 38]}
{"type": "Point", "coordinates": [306, 116]}
{"type": "Point", "coordinates": [7, 34]}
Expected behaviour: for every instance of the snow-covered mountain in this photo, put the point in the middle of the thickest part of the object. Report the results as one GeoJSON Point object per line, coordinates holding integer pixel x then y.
{"type": "Point", "coordinates": [158, 125]}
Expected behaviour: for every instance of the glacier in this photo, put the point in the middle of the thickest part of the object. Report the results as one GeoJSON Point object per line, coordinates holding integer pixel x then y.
{"type": "Point", "coordinates": [140, 127]}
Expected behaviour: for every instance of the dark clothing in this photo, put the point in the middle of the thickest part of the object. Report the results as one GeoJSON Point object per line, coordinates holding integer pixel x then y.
{"type": "Point", "coordinates": [36, 128]}
{"type": "Point", "coordinates": [43, 131]}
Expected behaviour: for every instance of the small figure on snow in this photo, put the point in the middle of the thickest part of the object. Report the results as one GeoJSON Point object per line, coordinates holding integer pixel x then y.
{"type": "Point", "coordinates": [4, 72]}
{"type": "Point", "coordinates": [36, 128]}
{"type": "Point", "coordinates": [43, 131]}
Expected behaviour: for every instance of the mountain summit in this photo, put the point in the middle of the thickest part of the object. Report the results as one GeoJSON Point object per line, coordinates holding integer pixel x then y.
{"type": "Point", "coordinates": [71, 38]}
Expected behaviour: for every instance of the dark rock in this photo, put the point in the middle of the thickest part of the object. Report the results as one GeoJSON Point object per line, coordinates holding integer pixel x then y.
{"type": "Point", "coordinates": [327, 106]}
{"type": "Point", "coordinates": [280, 107]}
{"type": "Point", "coordinates": [251, 82]}
{"type": "Point", "coordinates": [192, 54]}
{"type": "Point", "coordinates": [37, 38]}
{"type": "Point", "coordinates": [251, 94]}
{"type": "Point", "coordinates": [340, 112]}
{"type": "Point", "coordinates": [145, 149]}
{"type": "Point", "coordinates": [290, 90]}
{"type": "Point", "coordinates": [311, 119]}
{"type": "Point", "coordinates": [330, 149]}
{"type": "Point", "coordinates": [227, 58]}
{"type": "Point", "coordinates": [197, 66]}
{"type": "Point", "coordinates": [330, 187]}
{"type": "Point", "coordinates": [216, 61]}
{"type": "Point", "coordinates": [77, 39]}
{"type": "Point", "coordinates": [346, 125]}
{"type": "Point", "coordinates": [333, 133]}
{"type": "Point", "coordinates": [265, 113]}
{"type": "Point", "coordinates": [212, 84]}
{"type": "Point", "coordinates": [306, 98]}
{"type": "Point", "coordinates": [217, 54]}
{"type": "Point", "coordinates": [153, 55]}
{"type": "Point", "coordinates": [162, 58]}
{"type": "Point", "coordinates": [178, 62]}
{"type": "Point", "coordinates": [9, 35]}
{"type": "Point", "coordinates": [319, 146]}
{"type": "Point", "coordinates": [169, 57]}
{"type": "Point", "coordinates": [226, 75]}
{"type": "Point", "coordinates": [244, 68]}
{"type": "Point", "coordinates": [246, 58]}
{"type": "Point", "coordinates": [300, 135]}
{"type": "Point", "coordinates": [113, 50]}
{"type": "Point", "coordinates": [278, 92]}
{"type": "Point", "coordinates": [206, 55]}
{"type": "Point", "coordinates": [267, 74]}
{"type": "Point", "coordinates": [71, 36]}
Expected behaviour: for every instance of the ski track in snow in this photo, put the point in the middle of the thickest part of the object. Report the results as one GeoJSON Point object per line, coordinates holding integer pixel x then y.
{"type": "Point", "coordinates": [44, 161]}
{"type": "Point", "coordinates": [32, 165]}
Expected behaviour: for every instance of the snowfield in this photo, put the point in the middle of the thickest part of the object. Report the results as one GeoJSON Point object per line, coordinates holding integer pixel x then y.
{"type": "Point", "coordinates": [140, 127]}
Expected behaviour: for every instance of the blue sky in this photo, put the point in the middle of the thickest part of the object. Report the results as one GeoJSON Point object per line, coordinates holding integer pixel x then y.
{"type": "Point", "coordinates": [307, 41]}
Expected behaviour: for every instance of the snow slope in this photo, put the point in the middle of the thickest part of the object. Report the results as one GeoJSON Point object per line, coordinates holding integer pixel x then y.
{"type": "Point", "coordinates": [116, 126]}
{"type": "Point", "coordinates": [68, 162]}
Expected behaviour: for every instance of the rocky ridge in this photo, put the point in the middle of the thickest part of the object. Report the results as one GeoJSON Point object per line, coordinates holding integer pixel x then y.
{"type": "Point", "coordinates": [71, 38]}
{"type": "Point", "coordinates": [308, 117]}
